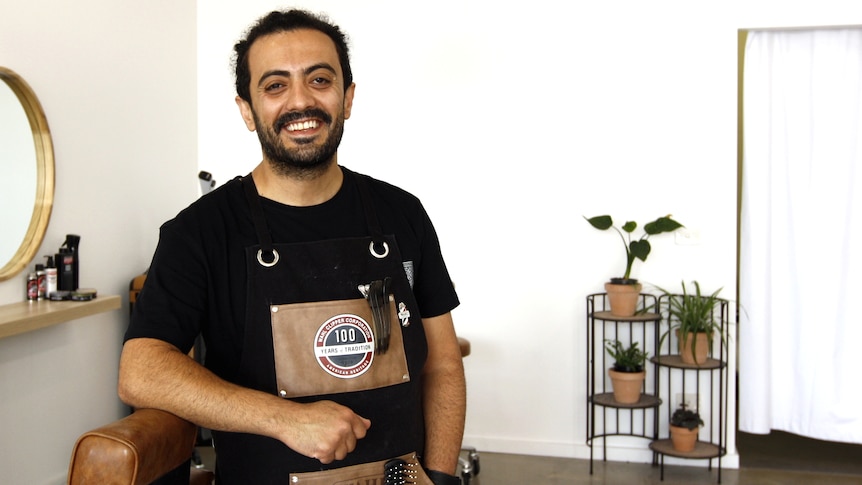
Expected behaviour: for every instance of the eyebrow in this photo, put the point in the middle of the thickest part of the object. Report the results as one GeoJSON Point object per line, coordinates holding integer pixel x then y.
{"type": "Point", "coordinates": [308, 70]}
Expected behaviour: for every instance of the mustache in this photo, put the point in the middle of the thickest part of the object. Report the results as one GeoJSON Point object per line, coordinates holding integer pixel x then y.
{"type": "Point", "coordinates": [298, 115]}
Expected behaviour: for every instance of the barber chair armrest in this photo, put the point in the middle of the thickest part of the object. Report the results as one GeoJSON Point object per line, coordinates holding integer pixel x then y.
{"type": "Point", "coordinates": [134, 450]}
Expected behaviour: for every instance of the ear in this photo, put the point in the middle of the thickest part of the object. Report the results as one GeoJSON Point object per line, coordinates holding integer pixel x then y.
{"type": "Point", "coordinates": [348, 100]}
{"type": "Point", "coordinates": [247, 113]}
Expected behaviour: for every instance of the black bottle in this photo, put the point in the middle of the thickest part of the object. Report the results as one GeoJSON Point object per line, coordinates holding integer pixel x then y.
{"type": "Point", "coordinates": [67, 264]}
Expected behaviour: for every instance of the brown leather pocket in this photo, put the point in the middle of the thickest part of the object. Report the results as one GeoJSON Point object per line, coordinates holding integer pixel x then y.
{"type": "Point", "coordinates": [366, 473]}
{"type": "Point", "coordinates": [328, 347]}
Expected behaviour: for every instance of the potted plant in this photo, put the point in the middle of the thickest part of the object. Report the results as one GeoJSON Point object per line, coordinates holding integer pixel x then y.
{"type": "Point", "coordinates": [692, 317]}
{"type": "Point", "coordinates": [623, 291]}
{"type": "Point", "coordinates": [628, 374]}
{"type": "Point", "coordinates": [684, 427]}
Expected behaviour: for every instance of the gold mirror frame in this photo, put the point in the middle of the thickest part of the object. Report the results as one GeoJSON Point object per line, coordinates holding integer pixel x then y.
{"type": "Point", "coordinates": [44, 201]}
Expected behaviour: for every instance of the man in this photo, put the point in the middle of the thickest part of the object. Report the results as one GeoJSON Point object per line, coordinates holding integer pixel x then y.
{"type": "Point", "coordinates": [321, 294]}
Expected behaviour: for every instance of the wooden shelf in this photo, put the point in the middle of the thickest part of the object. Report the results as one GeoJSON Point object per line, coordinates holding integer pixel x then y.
{"type": "Point", "coordinates": [701, 450]}
{"type": "Point", "coordinates": [26, 316]}
{"type": "Point", "coordinates": [675, 360]}
{"type": "Point", "coordinates": [607, 399]}
{"type": "Point", "coordinates": [637, 317]}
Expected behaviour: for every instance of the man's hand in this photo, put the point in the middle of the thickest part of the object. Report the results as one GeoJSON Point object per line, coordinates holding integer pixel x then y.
{"type": "Point", "coordinates": [325, 430]}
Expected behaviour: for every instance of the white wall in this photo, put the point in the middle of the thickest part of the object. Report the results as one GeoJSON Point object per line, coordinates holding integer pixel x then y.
{"type": "Point", "coordinates": [117, 82]}
{"type": "Point", "coordinates": [511, 120]}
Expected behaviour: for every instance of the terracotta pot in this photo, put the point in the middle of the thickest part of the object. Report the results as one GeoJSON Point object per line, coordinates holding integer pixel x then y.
{"type": "Point", "coordinates": [683, 439]}
{"type": "Point", "coordinates": [627, 385]}
{"type": "Point", "coordinates": [701, 344]}
{"type": "Point", "coordinates": [623, 299]}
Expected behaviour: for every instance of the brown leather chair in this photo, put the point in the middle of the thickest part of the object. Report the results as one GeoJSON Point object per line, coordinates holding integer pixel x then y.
{"type": "Point", "coordinates": [136, 450]}
{"type": "Point", "coordinates": [139, 449]}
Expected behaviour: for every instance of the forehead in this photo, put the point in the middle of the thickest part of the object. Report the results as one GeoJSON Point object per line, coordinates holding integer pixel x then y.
{"type": "Point", "coordinates": [291, 51]}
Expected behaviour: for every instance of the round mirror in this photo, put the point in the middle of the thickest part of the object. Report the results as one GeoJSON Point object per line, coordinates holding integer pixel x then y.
{"type": "Point", "coordinates": [26, 174]}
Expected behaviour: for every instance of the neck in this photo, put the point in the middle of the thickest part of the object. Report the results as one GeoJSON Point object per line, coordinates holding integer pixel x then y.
{"type": "Point", "coordinates": [298, 191]}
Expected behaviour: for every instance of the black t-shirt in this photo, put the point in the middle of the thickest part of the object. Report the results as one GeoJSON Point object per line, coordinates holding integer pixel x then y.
{"type": "Point", "coordinates": [196, 283]}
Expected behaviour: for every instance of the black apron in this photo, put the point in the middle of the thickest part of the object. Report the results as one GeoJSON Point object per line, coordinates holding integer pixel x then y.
{"type": "Point", "coordinates": [321, 284]}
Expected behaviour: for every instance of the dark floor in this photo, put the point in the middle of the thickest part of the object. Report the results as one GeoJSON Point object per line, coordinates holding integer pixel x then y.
{"type": "Point", "coordinates": [778, 458]}
{"type": "Point", "coordinates": [775, 459]}
{"type": "Point", "coordinates": [787, 451]}
{"type": "Point", "coordinates": [504, 469]}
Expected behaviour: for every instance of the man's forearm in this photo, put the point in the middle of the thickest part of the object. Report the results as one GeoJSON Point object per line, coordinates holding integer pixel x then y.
{"type": "Point", "coordinates": [444, 397]}
{"type": "Point", "coordinates": [155, 374]}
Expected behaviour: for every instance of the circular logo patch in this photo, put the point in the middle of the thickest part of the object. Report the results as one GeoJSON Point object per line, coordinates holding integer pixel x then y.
{"type": "Point", "coordinates": [344, 346]}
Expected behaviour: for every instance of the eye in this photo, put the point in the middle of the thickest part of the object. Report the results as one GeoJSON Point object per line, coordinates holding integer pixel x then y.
{"type": "Point", "coordinates": [321, 81]}
{"type": "Point", "coordinates": [274, 86]}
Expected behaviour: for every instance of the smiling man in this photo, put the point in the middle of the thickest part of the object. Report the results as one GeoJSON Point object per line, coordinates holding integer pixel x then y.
{"type": "Point", "coordinates": [321, 295]}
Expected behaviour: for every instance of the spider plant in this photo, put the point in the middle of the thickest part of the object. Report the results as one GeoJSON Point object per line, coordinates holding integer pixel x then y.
{"type": "Point", "coordinates": [692, 313]}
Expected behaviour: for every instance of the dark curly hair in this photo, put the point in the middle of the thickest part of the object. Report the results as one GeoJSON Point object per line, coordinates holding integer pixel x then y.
{"type": "Point", "coordinates": [287, 21]}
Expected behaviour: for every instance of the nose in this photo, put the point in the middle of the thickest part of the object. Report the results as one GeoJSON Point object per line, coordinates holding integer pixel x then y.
{"type": "Point", "coordinates": [299, 97]}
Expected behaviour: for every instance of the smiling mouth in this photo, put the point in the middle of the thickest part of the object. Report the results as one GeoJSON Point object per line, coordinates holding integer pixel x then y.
{"type": "Point", "coordinates": [302, 125]}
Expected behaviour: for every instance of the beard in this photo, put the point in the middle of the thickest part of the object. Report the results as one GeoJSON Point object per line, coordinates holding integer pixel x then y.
{"type": "Point", "coordinates": [306, 160]}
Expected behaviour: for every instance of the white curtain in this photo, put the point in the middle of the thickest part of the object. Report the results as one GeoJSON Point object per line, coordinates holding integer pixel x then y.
{"type": "Point", "coordinates": [800, 335]}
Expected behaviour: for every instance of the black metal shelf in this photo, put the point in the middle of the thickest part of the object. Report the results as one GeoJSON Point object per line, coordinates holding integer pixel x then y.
{"type": "Point", "coordinates": [606, 417]}
{"type": "Point", "coordinates": [668, 376]}
{"type": "Point", "coordinates": [706, 381]}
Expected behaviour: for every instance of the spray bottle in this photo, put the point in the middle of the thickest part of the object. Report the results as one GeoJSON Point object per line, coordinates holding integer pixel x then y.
{"type": "Point", "coordinates": [67, 264]}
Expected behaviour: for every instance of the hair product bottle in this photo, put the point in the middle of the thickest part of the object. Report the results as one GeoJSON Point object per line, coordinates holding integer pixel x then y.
{"type": "Point", "coordinates": [40, 281]}
{"type": "Point", "coordinates": [67, 263]}
{"type": "Point", "coordinates": [32, 287]}
{"type": "Point", "coordinates": [50, 277]}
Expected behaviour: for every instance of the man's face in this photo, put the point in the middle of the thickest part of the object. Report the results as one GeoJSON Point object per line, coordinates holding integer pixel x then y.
{"type": "Point", "coordinates": [298, 104]}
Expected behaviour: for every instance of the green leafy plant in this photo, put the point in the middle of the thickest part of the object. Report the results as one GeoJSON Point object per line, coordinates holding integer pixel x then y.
{"type": "Point", "coordinates": [691, 313]}
{"type": "Point", "coordinates": [635, 248]}
{"type": "Point", "coordinates": [626, 359]}
{"type": "Point", "coordinates": [685, 418]}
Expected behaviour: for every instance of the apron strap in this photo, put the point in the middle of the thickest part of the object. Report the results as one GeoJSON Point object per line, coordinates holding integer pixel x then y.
{"type": "Point", "coordinates": [261, 228]}
{"type": "Point", "coordinates": [378, 247]}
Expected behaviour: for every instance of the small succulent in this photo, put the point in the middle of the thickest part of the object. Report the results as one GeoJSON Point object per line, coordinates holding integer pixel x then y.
{"type": "Point", "coordinates": [686, 418]}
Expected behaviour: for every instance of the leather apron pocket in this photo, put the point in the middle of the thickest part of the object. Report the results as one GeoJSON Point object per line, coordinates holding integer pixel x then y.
{"type": "Point", "coordinates": [328, 347]}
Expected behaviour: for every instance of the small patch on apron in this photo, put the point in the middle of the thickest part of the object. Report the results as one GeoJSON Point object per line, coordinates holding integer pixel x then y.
{"type": "Point", "coordinates": [344, 346]}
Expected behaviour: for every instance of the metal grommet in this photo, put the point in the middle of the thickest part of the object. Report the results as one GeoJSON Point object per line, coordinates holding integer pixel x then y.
{"type": "Point", "coordinates": [373, 251]}
{"type": "Point", "coordinates": [264, 263]}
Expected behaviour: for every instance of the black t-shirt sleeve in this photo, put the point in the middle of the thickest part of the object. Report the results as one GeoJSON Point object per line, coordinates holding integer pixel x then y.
{"type": "Point", "coordinates": [172, 302]}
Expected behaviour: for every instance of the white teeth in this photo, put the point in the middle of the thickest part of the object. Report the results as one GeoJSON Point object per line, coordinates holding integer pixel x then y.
{"type": "Point", "coordinates": [305, 125]}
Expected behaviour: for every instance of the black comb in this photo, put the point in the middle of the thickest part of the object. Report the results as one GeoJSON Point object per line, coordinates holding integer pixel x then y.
{"type": "Point", "coordinates": [399, 472]}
